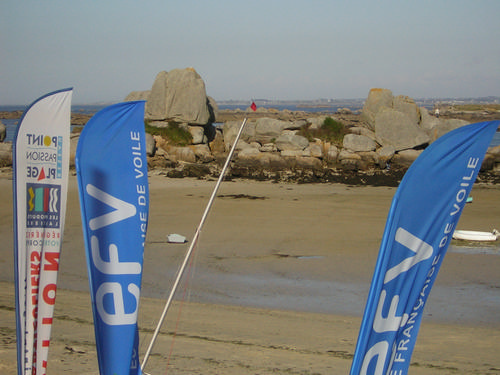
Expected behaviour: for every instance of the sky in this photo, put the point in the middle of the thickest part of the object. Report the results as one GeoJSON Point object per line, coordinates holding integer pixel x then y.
{"type": "Point", "coordinates": [259, 49]}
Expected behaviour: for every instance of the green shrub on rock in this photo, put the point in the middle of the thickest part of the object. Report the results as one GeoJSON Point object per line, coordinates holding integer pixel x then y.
{"type": "Point", "coordinates": [174, 133]}
{"type": "Point", "coordinates": [331, 131]}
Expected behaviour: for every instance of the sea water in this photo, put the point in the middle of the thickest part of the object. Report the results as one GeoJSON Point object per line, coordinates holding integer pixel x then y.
{"type": "Point", "coordinates": [11, 124]}
{"type": "Point", "coordinates": [496, 140]}
{"type": "Point", "coordinates": [268, 290]}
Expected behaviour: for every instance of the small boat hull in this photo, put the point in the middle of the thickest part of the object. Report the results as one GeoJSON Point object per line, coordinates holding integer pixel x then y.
{"type": "Point", "coordinates": [471, 235]}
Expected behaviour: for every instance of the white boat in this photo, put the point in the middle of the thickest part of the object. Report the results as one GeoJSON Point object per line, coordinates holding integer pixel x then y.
{"type": "Point", "coordinates": [471, 235]}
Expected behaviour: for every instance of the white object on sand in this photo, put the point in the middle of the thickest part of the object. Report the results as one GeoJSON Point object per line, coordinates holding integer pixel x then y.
{"type": "Point", "coordinates": [471, 235]}
{"type": "Point", "coordinates": [176, 238]}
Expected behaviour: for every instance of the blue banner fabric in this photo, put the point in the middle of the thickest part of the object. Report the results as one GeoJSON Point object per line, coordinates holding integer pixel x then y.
{"type": "Point", "coordinates": [114, 198]}
{"type": "Point", "coordinates": [424, 213]}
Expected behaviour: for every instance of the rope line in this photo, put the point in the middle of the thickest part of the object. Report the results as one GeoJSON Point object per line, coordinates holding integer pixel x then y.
{"type": "Point", "coordinates": [181, 305]}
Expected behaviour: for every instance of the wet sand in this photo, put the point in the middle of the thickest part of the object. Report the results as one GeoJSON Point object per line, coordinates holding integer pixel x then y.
{"type": "Point", "coordinates": [278, 283]}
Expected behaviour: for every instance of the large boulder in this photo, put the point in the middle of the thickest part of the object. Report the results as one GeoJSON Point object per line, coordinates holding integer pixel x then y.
{"type": "Point", "coordinates": [331, 154]}
{"type": "Point", "coordinates": [444, 126]}
{"type": "Point", "coordinates": [316, 122]}
{"type": "Point", "coordinates": [150, 145]}
{"type": "Point", "coordinates": [294, 153]}
{"type": "Point", "coordinates": [385, 154]}
{"type": "Point", "coordinates": [350, 160]}
{"type": "Point", "coordinates": [378, 100]}
{"type": "Point", "coordinates": [289, 141]}
{"type": "Point", "coordinates": [407, 106]}
{"type": "Point", "coordinates": [268, 147]}
{"type": "Point", "coordinates": [358, 143]}
{"type": "Point", "coordinates": [217, 144]}
{"type": "Point", "coordinates": [295, 125]}
{"type": "Point", "coordinates": [248, 152]}
{"type": "Point", "coordinates": [73, 143]}
{"type": "Point", "coordinates": [185, 154]}
{"type": "Point", "coordinates": [315, 150]}
{"type": "Point", "coordinates": [399, 130]}
{"type": "Point", "coordinates": [492, 159]}
{"type": "Point", "coordinates": [436, 127]}
{"type": "Point", "coordinates": [179, 96]}
{"type": "Point", "coordinates": [203, 153]}
{"type": "Point", "coordinates": [427, 121]}
{"type": "Point", "coordinates": [307, 162]}
{"type": "Point", "coordinates": [258, 160]}
{"type": "Point", "coordinates": [213, 109]}
{"type": "Point", "coordinates": [407, 157]}
{"type": "Point", "coordinates": [5, 154]}
{"type": "Point", "coordinates": [198, 134]}
{"type": "Point", "coordinates": [3, 131]}
{"type": "Point", "coordinates": [137, 95]}
{"type": "Point", "coordinates": [361, 130]}
{"type": "Point", "coordinates": [230, 130]}
{"type": "Point", "coordinates": [242, 145]}
{"type": "Point", "coordinates": [156, 106]}
{"type": "Point", "coordinates": [268, 129]}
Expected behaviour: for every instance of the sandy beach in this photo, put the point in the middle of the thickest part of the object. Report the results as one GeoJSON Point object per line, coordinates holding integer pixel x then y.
{"type": "Point", "coordinates": [278, 283]}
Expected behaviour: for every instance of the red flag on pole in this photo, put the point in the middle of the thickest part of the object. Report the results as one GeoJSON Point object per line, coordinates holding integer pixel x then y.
{"type": "Point", "coordinates": [253, 106]}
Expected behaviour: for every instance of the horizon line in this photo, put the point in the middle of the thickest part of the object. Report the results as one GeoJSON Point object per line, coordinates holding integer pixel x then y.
{"type": "Point", "coordinates": [110, 102]}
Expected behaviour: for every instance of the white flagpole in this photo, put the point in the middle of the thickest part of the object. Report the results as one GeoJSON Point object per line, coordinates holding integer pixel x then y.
{"type": "Point", "coordinates": [191, 247]}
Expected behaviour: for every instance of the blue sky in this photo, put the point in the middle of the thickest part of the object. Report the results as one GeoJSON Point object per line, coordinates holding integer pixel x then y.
{"type": "Point", "coordinates": [274, 49]}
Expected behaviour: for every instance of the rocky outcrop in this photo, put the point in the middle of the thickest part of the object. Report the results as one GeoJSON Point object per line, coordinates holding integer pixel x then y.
{"type": "Point", "coordinates": [354, 161]}
{"type": "Point", "coordinates": [400, 123]}
{"type": "Point", "coordinates": [390, 134]}
{"type": "Point", "coordinates": [395, 120]}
